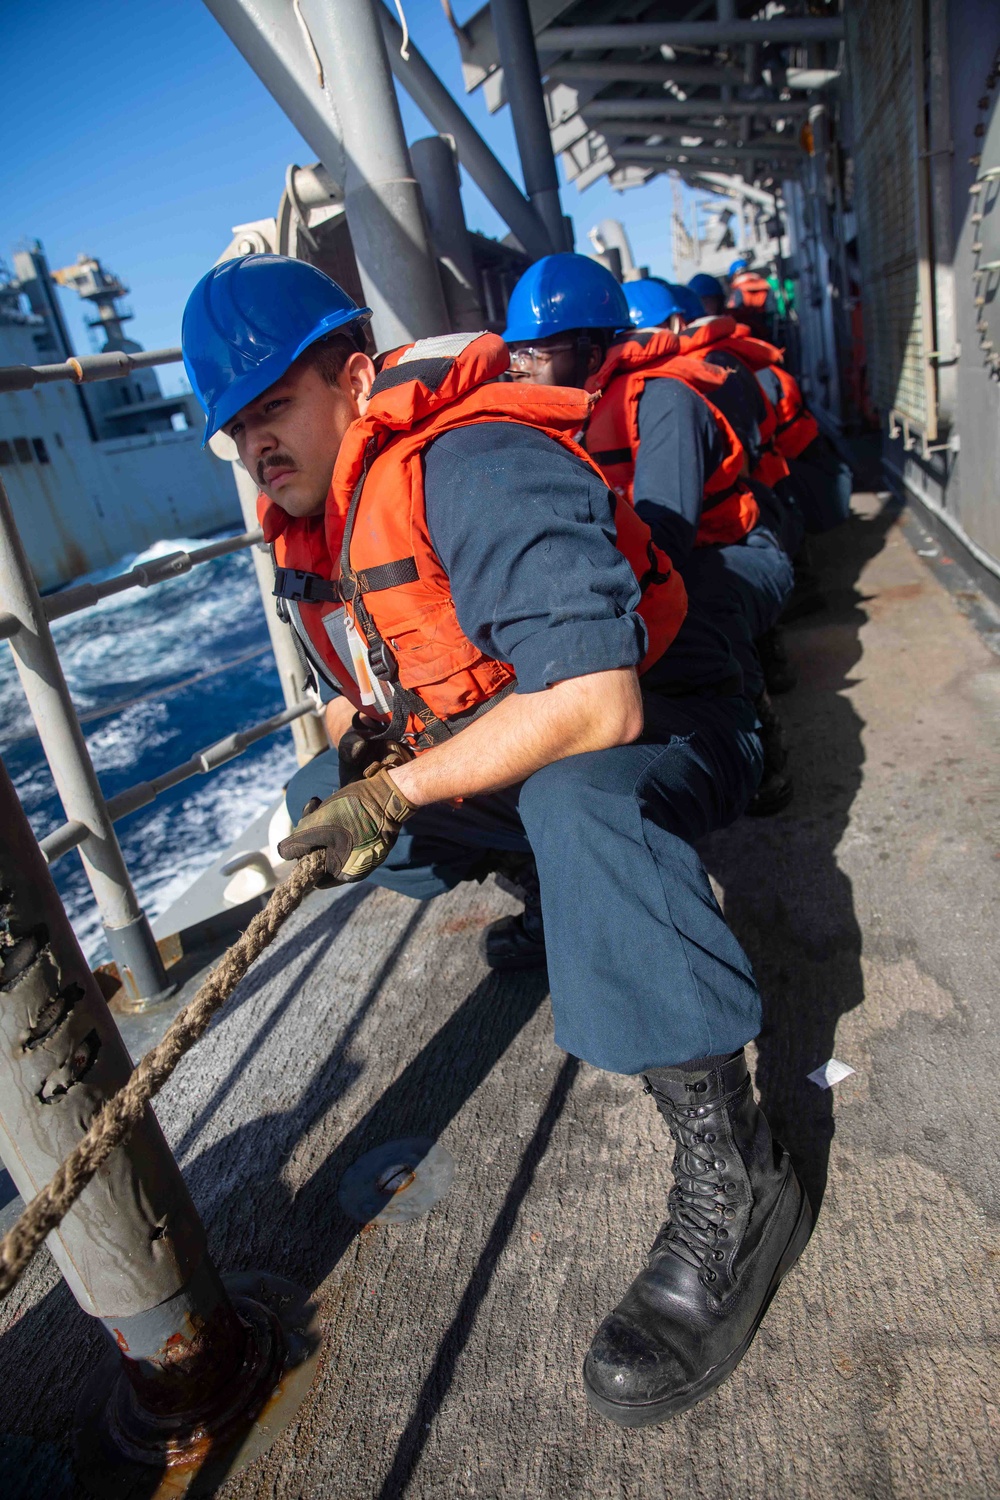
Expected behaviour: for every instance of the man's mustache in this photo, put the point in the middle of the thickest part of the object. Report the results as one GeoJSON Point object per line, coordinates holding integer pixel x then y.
{"type": "Point", "coordinates": [275, 461]}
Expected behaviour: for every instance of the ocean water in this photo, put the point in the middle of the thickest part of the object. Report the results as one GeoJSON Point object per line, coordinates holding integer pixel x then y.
{"type": "Point", "coordinates": [156, 675]}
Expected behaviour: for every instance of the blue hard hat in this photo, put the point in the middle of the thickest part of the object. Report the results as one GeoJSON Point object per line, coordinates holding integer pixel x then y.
{"type": "Point", "coordinates": [689, 303]}
{"type": "Point", "coordinates": [560, 292]}
{"type": "Point", "coordinates": [704, 285]}
{"type": "Point", "coordinates": [248, 320]}
{"type": "Point", "coordinates": [737, 266]}
{"type": "Point", "coordinates": [652, 302]}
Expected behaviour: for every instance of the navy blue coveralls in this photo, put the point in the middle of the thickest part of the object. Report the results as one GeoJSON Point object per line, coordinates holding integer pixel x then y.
{"type": "Point", "coordinates": [744, 586]}
{"type": "Point", "coordinates": [642, 968]}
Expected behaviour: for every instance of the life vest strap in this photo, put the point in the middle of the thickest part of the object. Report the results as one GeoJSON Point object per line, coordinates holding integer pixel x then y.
{"type": "Point", "coordinates": [612, 456]}
{"type": "Point", "coordinates": [718, 496]}
{"type": "Point", "coordinates": [789, 421]}
{"type": "Point", "coordinates": [312, 588]}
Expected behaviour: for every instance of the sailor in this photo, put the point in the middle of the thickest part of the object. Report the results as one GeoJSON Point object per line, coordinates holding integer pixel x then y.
{"type": "Point", "coordinates": [655, 303]}
{"type": "Point", "coordinates": [751, 297]}
{"type": "Point", "coordinates": [789, 455]}
{"type": "Point", "coordinates": [821, 479]}
{"type": "Point", "coordinates": [539, 676]}
{"type": "Point", "coordinates": [710, 293]}
{"type": "Point", "coordinates": [664, 431]}
{"type": "Point", "coordinates": [730, 345]}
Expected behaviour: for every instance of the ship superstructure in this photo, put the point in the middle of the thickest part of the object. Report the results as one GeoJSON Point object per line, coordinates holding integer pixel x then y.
{"type": "Point", "coordinates": [96, 472]}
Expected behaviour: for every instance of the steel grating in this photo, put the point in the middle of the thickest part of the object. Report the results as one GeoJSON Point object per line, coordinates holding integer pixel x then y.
{"type": "Point", "coordinates": [880, 43]}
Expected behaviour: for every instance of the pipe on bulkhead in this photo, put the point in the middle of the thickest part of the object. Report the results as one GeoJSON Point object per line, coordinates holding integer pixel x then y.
{"type": "Point", "coordinates": [434, 163]}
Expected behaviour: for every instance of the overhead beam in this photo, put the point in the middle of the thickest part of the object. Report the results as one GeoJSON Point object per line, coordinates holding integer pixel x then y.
{"type": "Point", "coordinates": [633, 152]}
{"type": "Point", "coordinates": [735, 187]}
{"type": "Point", "coordinates": [693, 74]}
{"type": "Point", "coordinates": [711, 136]}
{"type": "Point", "coordinates": [683, 109]}
{"type": "Point", "coordinates": [805, 29]}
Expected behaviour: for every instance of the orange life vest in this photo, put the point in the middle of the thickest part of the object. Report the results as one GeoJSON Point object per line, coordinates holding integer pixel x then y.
{"type": "Point", "coordinates": [392, 581]}
{"type": "Point", "coordinates": [726, 335]}
{"type": "Point", "coordinates": [729, 509]}
{"type": "Point", "coordinates": [753, 289]}
{"type": "Point", "coordinates": [796, 426]}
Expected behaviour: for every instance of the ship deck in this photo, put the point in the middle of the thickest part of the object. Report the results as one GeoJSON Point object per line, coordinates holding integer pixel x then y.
{"type": "Point", "coordinates": [453, 1344]}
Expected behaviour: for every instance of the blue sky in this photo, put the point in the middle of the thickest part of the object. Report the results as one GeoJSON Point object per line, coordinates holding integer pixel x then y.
{"type": "Point", "coordinates": [137, 133]}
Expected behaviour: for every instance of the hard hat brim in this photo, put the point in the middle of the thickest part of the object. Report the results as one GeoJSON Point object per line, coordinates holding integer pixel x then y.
{"type": "Point", "coordinates": [255, 382]}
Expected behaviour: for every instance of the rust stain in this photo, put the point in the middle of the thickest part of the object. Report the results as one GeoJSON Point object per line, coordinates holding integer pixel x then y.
{"type": "Point", "coordinates": [464, 924]}
{"type": "Point", "coordinates": [120, 1340]}
{"type": "Point", "coordinates": [185, 1465]}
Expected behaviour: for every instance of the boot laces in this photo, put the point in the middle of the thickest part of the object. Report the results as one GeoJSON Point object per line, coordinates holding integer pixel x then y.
{"type": "Point", "coordinates": [697, 1203]}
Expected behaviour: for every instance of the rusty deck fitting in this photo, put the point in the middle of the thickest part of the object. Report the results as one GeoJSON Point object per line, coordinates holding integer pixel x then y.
{"type": "Point", "coordinates": [131, 1444]}
{"type": "Point", "coordinates": [397, 1182]}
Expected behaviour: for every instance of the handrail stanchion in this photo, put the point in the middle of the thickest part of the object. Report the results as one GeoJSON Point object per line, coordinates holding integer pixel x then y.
{"type": "Point", "coordinates": [195, 1377]}
{"type": "Point", "coordinates": [126, 926]}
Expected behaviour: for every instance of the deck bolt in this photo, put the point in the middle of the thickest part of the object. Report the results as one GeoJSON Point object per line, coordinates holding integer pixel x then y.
{"type": "Point", "coordinates": [394, 1179]}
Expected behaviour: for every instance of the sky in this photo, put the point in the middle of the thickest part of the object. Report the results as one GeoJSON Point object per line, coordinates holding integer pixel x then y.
{"type": "Point", "coordinates": [134, 131]}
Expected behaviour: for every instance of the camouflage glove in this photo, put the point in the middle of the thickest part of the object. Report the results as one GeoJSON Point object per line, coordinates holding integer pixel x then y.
{"type": "Point", "coordinates": [357, 826]}
{"type": "Point", "coordinates": [357, 750]}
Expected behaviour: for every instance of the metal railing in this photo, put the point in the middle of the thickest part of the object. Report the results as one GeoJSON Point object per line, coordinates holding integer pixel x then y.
{"type": "Point", "coordinates": [70, 835]}
{"type": "Point", "coordinates": [25, 619]}
{"type": "Point", "coordinates": [83, 368]}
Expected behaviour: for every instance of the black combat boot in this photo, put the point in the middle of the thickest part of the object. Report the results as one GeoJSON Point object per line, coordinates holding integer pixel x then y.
{"type": "Point", "coordinates": [775, 790]}
{"type": "Point", "coordinates": [807, 597]}
{"type": "Point", "coordinates": [737, 1220]}
{"type": "Point", "coordinates": [517, 942]}
{"type": "Point", "coordinates": [779, 673]}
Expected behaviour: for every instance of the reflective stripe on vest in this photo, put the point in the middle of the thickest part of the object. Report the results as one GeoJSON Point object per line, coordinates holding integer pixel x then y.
{"type": "Point", "coordinates": [729, 509]}
{"type": "Point", "coordinates": [437, 678]}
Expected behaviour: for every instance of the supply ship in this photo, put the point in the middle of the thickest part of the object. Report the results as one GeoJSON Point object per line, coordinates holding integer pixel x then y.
{"type": "Point", "coordinates": [99, 471]}
{"type": "Point", "coordinates": [378, 1117]}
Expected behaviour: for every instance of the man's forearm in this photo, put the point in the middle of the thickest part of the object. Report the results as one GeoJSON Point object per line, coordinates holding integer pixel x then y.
{"type": "Point", "coordinates": [525, 732]}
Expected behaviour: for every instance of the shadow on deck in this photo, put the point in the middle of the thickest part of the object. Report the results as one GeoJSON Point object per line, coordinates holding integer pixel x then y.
{"type": "Point", "coordinates": [454, 1345]}
{"type": "Point", "coordinates": [786, 897]}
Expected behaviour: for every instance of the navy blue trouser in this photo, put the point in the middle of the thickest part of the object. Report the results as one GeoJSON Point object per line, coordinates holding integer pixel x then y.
{"type": "Point", "coordinates": [823, 484]}
{"type": "Point", "coordinates": [744, 586]}
{"type": "Point", "coordinates": [643, 970]}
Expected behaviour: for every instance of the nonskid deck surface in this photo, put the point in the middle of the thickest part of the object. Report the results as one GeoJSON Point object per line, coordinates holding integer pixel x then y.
{"type": "Point", "coordinates": [454, 1345]}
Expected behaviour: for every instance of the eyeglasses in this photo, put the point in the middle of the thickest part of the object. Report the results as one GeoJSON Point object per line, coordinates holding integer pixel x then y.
{"type": "Point", "coordinates": [529, 358]}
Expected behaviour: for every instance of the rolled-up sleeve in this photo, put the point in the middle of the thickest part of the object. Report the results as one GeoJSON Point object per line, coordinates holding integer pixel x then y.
{"type": "Point", "coordinates": [525, 532]}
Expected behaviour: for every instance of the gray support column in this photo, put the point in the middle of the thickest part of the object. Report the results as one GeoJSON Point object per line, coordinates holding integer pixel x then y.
{"type": "Point", "coordinates": [434, 163]}
{"type": "Point", "coordinates": [133, 1240]}
{"type": "Point", "coordinates": [309, 732]}
{"type": "Point", "coordinates": [446, 115]}
{"type": "Point", "coordinates": [523, 84]}
{"type": "Point", "coordinates": [381, 195]}
{"type": "Point", "coordinates": [182, 1364]}
{"type": "Point", "coordinates": [130, 939]}
{"type": "Point", "coordinates": [324, 62]}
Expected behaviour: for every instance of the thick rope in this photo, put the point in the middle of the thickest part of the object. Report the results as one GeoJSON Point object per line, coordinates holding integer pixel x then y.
{"type": "Point", "coordinates": [115, 1121]}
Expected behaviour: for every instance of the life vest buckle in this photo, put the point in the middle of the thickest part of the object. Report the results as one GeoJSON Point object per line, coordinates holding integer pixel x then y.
{"type": "Point", "coordinates": [304, 588]}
